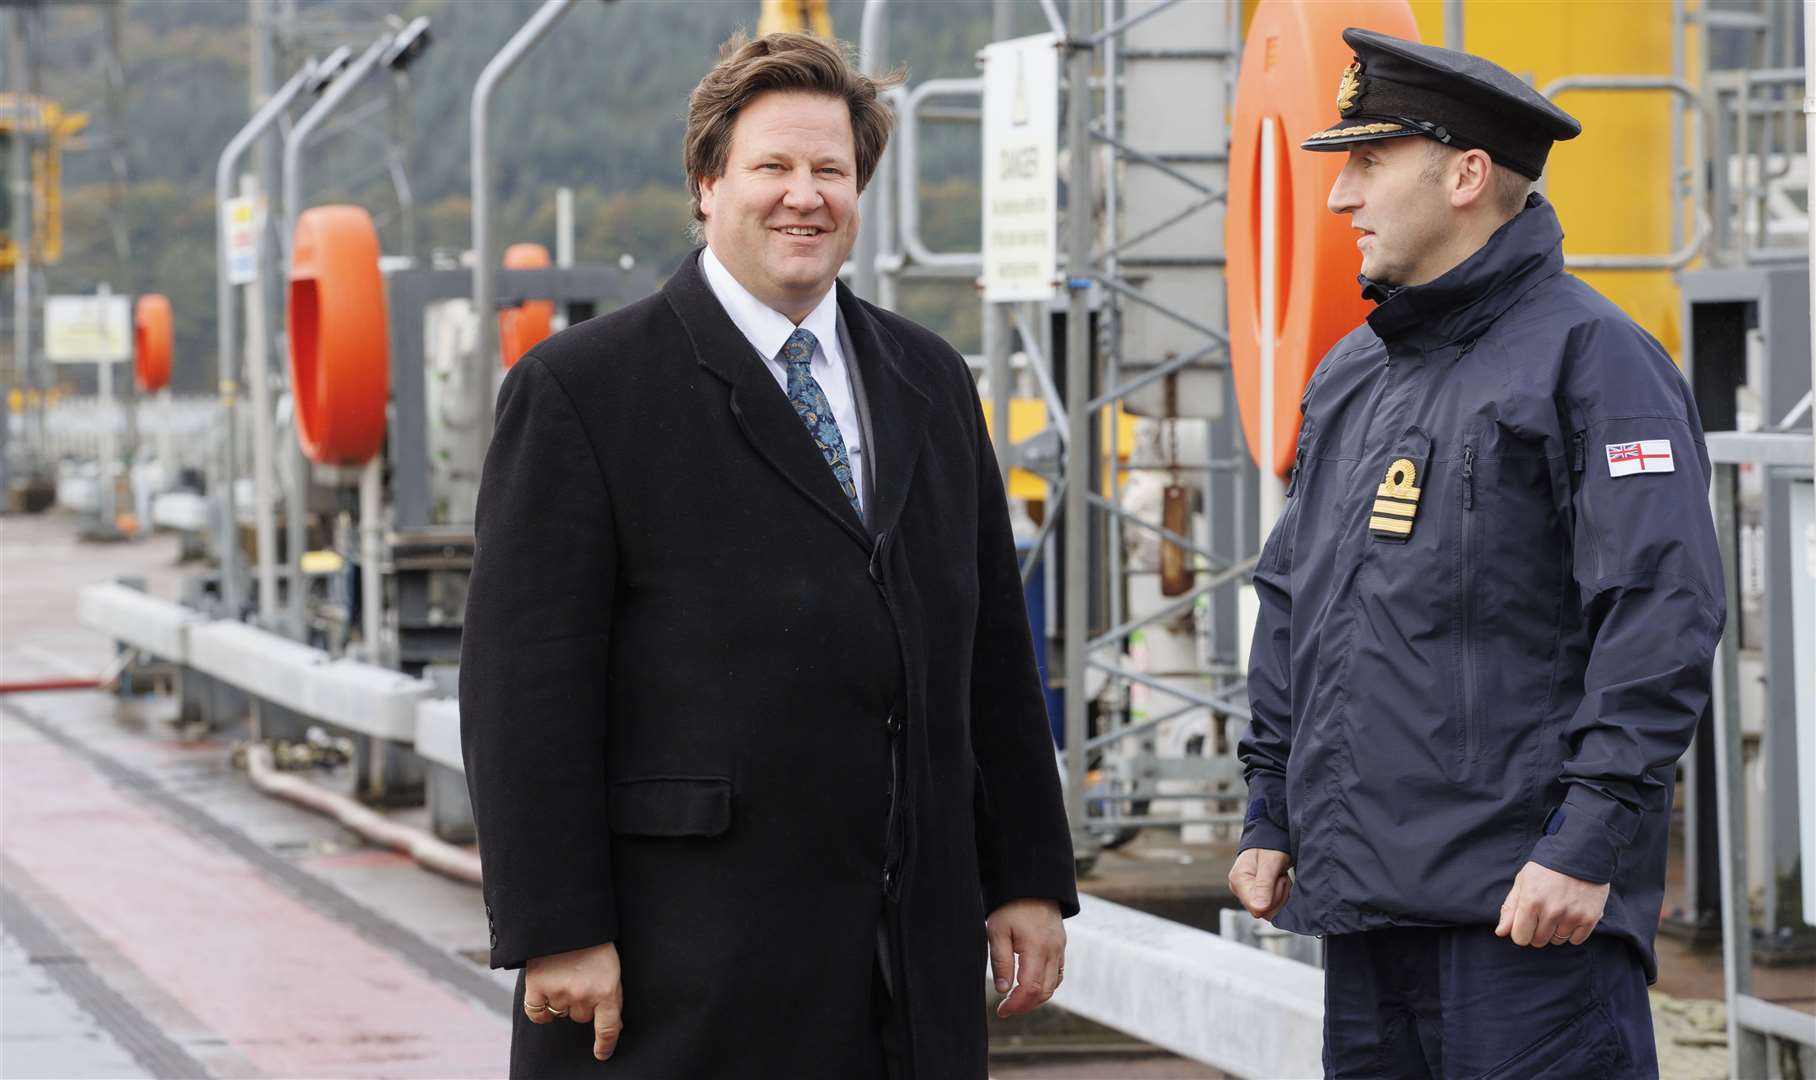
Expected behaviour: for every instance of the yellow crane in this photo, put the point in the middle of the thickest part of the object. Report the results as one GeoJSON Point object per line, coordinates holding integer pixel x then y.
{"type": "Point", "coordinates": [43, 128]}
{"type": "Point", "coordinates": [800, 16]}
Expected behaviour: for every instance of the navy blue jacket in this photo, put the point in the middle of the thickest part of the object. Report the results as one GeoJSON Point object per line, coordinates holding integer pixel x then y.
{"type": "Point", "coordinates": [1489, 612]}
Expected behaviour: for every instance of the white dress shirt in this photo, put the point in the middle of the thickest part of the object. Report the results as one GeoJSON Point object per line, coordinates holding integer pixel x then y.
{"type": "Point", "coordinates": [768, 330]}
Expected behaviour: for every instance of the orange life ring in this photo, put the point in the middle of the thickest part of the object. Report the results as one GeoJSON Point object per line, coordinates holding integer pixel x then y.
{"type": "Point", "coordinates": [1291, 66]}
{"type": "Point", "coordinates": [340, 354]}
{"type": "Point", "coordinates": [151, 342]}
{"type": "Point", "coordinates": [522, 326]}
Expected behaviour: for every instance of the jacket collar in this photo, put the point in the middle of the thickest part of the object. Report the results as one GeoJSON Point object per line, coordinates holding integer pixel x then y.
{"type": "Point", "coordinates": [1459, 307]}
{"type": "Point", "coordinates": [898, 409]}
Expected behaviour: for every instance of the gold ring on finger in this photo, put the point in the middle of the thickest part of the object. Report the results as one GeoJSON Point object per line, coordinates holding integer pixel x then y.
{"type": "Point", "coordinates": [535, 1008]}
{"type": "Point", "coordinates": [557, 1012]}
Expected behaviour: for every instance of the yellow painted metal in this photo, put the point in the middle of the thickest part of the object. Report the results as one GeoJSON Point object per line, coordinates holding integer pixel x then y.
{"type": "Point", "coordinates": [1028, 418]}
{"type": "Point", "coordinates": [797, 16]}
{"type": "Point", "coordinates": [44, 128]}
{"type": "Point", "coordinates": [1611, 185]}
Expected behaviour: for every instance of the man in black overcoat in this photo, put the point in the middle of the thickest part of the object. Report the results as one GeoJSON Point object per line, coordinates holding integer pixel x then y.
{"type": "Point", "coordinates": [757, 751]}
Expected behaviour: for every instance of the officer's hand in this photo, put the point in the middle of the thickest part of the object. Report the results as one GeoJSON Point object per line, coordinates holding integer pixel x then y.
{"type": "Point", "coordinates": [586, 985]}
{"type": "Point", "coordinates": [1545, 907]}
{"type": "Point", "coordinates": [1031, 930]}
{"type": "Point", "coordinates": [1259, 880]}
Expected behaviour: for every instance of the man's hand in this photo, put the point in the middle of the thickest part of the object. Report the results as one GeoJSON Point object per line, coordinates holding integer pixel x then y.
{"type": "Point", "coordinates": [583, 986]}
{"type": "Point", "coordinates": [1032, 930]}
{"type": "Point", "coordinates": [1259, 880]}
{"type": "Point", "coordinates": [1545, 907]}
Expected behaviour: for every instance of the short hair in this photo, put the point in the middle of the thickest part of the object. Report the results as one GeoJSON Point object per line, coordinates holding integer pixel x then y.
{"type": "Point", "coordinates": [800, 63]}
{"type": "Point", "coordinates": [1507, 187]}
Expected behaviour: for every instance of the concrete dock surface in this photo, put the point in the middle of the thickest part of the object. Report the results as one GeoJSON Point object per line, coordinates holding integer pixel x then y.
{"type": "Point", "coordinates": [162, 917]}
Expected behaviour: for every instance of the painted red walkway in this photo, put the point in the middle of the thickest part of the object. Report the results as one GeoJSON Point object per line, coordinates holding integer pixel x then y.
{"type": "Point", "coordinates": [289, 990]}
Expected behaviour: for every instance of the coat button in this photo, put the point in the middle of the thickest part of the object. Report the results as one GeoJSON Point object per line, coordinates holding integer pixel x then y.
{"type": "Point", "coordinates": [494, 941]}
{"type": "Point", "coordinates": [893, 725]}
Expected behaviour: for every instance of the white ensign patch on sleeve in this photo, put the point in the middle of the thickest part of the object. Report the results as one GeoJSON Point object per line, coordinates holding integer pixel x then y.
{"type": "Point", "coordinates": [1647, 455]}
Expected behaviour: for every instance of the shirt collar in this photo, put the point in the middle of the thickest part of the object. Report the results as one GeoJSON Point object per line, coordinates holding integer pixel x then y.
{"type": "Point", "coordinates": [764, 327]}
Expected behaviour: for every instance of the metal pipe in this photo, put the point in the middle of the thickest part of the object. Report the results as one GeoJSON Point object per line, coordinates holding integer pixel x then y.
{"type": "Point", "coordinates": [910, 167]}
{"type": "Point", "coordinates": [1130, 20]}
{"type": "Point", "coordinates": [296, 497]}
{"type": "Point", "coordinates": [1453, 25]}
{"type": "Point", "coordinates": [484, 269]}
{"type": "Point", "coordinates": [873, 40]}
{"type": "Point", "coordinates": [1039, 363]}
{"type": "Point", "coordinates": [1079, 462]}
{"type": "Point", "coordinates": [224, 316]}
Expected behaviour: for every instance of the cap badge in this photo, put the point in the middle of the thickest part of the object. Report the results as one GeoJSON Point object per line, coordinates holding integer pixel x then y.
{"type": "Point", "coordinates": [1350, 88]}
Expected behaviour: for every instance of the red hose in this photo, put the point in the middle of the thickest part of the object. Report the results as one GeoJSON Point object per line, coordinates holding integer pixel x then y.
{"type": "Point", "coordinates": [33, 686]}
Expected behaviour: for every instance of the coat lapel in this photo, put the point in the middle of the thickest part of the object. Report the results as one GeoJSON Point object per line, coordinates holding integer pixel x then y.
{"type": "Point", "coordinates": [760, 407]}
{"type": "Point", "coordinates": [898, 410]}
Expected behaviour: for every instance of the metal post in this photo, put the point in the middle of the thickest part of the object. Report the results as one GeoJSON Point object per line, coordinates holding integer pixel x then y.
{"type": "Point", "coordinates": [264, 449]}
{"type": "Point", "coordinates": [224, 170]}
{"type": "Point", "coordinates": [115, 98]}
{"type": "Point", "coordinates": [1272, 492]}
{"type": "Point", "coordinates": [296, 497]}
{"type": "Point", "coordinates": [397, 158]}
{"type": "Point", "coordinates": [1079, 462]}
{"type": "Point", "coordinates": [1453, 24]}
{"type": "Point", "coordinates": [873, 43]}
{"type": "Point", "coordinates": [1111, 317]}
{"type": "Point", "coordinates": [1746, 1050]}
{"type": "Point", "coordinates": [999, 331]}
{"type": "Point", "coordinates": [20, 178]}
{"type": "Point", "coordinates": [371, 551]}
{"type": "Point", "coordinates": [105, 509]}
{"type": "Point", "coordinates": [1809, 143]}
{"type": "Point", "coordinates": [564, 227]}
{"type": "Point", "coordinates": [484, 269]}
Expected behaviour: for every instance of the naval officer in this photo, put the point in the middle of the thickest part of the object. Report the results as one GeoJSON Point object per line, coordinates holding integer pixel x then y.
{"type": "Point", "coordinates": [1488, 613]}
{"type": "Point", "coordinates": [758, 754]}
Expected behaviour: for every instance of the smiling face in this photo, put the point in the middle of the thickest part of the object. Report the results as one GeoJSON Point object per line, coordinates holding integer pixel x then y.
{"type": "Point", "coordinates": [784, 215]}
{"type": "Point", "coordinates": [1404, 213]}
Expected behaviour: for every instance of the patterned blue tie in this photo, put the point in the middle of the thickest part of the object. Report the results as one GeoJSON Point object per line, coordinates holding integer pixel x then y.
{"type": "Point", "coordinates": [815, 411]}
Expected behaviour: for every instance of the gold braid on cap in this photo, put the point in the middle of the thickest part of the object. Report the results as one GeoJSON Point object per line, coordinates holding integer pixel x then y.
{"type": "Point", "coordinates": [1381, 128]}
{"type": "Point", "coordinates": [1350, 87]}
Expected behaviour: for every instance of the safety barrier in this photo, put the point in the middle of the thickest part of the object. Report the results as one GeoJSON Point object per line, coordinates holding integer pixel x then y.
{"type": "Point", "coordinates": [361, 698]}
{"type": "Point", "coordinates": [1233, 1007]}
{"type": "Point", "coordinates": [155, 626]}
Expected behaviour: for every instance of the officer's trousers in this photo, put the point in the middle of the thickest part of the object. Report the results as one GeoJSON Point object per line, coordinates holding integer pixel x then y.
{"type": "Point", "coordinates": [1454, 1002]}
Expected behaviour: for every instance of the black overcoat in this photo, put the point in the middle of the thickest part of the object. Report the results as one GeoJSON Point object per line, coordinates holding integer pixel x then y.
{"type": "Point", "coordinates": [711, 715]}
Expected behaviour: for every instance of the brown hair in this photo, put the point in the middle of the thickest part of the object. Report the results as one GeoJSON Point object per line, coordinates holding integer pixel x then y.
{"type": "Point", "coordinates": [789, 62]}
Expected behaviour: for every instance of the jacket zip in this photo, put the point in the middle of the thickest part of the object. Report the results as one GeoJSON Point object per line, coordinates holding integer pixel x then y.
{"type": "Point", "coordinates": [1467, 601]}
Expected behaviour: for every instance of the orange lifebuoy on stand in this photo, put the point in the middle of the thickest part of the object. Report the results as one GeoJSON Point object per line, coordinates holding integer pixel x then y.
{"type": "Point", "coordinates": [522, 326]}
{"type": "Point", "coordinates": [151, 340]}
{"type": "Point", "coordinates": [340, 354]}
{"type": "Point", "coordinates": [1291, 66]}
